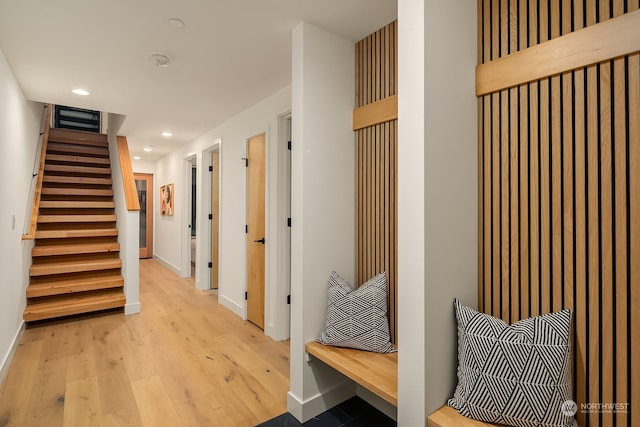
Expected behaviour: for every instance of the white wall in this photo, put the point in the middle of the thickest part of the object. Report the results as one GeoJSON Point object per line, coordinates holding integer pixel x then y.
{"type": "Point", "coordinates": [20, 122]}
{"type": "Point", "coordinates": [323, 205]}
{"type": "Point", "coordinates": [128, 223]}
{"type": "Point", "coordinates": [232, 136]}
{"type": "Point", "coordinates": [437, 196]}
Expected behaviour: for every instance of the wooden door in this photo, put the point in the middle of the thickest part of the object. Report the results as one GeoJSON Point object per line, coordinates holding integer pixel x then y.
{"type": "Point", "coordinates": [255, 229]}
{"type": "Point", "coordinates": [144, 187]}
{"type": "Point", "coordinates": [215, 216]}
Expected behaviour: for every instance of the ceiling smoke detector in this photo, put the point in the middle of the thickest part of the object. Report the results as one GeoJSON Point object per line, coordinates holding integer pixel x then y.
{"type": "Point", "coordinates": [160, 60]}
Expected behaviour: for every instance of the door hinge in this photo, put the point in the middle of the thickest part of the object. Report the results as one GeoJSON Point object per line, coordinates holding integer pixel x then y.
{"type": "Point", "coordinates": [246, 229]}
{"type": "Point", "coordinates": [288, 222]}
{"type": "Point", "coordinates": [210, 216]}
{"type": "Point", "coordinates": [210, 265]}
{"type": "Point", "coordinates": [289, 145]}
{"type": "Point", "coordinates": [289, 299]}
{"type": "Point", "coordinates": [210, 168]}
{"type": "Point", "coordinates": [246, 295]}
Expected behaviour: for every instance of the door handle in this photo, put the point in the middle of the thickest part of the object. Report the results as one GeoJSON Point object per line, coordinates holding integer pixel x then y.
{"type": "Point", "coordinates": [259, 241]}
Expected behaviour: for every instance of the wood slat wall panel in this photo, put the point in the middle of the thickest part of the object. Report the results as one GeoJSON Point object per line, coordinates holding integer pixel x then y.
{"type": "Point", "coordinates": [559, 197]}
{"type": "Point", "coordinates": [376, 154]}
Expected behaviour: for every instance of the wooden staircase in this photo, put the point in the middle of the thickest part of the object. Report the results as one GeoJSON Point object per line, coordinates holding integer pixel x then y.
{"type": "Point", "coordinates": [76, 264]}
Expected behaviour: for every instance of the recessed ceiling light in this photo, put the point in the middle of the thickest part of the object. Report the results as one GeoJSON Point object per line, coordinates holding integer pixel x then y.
{"type": "Point", "coordinates": [136, 157]}
{"type": "Point", "coordinates": [166, 134]}
{"type": "Point", "coordinates": [148, 149]}
{"type": "Point", "coordinates": [176, 23]}
{"type": "Point", "coordinates": [80, 92]}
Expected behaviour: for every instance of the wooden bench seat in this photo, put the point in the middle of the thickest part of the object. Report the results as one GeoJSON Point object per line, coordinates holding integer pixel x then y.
{"type": "Point", "coordinates": [377, 372]}
{"type": "Point", "coordinates": [449, 417]}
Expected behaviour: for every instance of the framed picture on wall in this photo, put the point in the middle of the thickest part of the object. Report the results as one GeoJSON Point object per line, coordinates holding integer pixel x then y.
{"type": "Point", "coordinates": [166, 199]}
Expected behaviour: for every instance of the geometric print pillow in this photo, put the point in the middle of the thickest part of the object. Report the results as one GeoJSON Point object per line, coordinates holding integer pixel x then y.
{"type": "Point", "coordinates": [357, 318]}
{"type": "Point", "coordinates": [517, 375]}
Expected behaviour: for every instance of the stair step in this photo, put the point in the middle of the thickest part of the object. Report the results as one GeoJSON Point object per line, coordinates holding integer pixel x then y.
{"type": "Point", "coordinates": [76, 218]}
{"type": "Point", "coordinates": [53, 148]}
{"type": "Point", "coordinates": [72, 249]}
{"type": "Point", "coordinates": [58, 191]}
{"type": "Point", "coordinates": [61, 234]}
{"type": "Point", "coordinates": [74, 265]}
{"type": "Point", "coordinates": [71, 170]}
{"type": "Point", "coordinates": [60, 158]}
{"type": "Point", "coordinates": [75, 282]}
{"type": "Point", "coordinates": [72, 204]}
{"type": "Point", "coordinates": [58, 179]}
{"type": "Point", "coordinates": [78, 137]}
{"type": "Point", "coordinates": [76, 303]}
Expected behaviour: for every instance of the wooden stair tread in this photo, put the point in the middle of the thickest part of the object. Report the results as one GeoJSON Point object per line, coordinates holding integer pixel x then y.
{"type": "Point", "coordinates": [78, 137]}
{"type": "Point", "coordinates": [62, 158]}
{"type": "Point", "coordinates": [377, 372]}
{"type": "Point", "coordinates": [74, 266]}
{"type": "Point", "coordinates": [70, 249]}
{"type": "Point", "coordinates": [70, 283]}
{"type": "Point", "coordinates": [61, 191]}
{"type": "Point", "coordinates": [76, 218]}
{"type": "Point", "coordinates": [76, 303]}
{"type": "Point", "coordinates": [71, 170]}
{"type": "Point", "coordinates": [61, 234]}
{"type": "Point", "coordinates": [61, 179]}
{"type": "Point", "coordinates": [73, 149]}
{"type": "Point", "coordinates": [449, 417]}
{"type": "Point", "coordinates": [75, 204]}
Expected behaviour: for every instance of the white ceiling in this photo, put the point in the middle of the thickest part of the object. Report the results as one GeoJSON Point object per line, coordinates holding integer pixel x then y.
{"type": "Point", "coordinates": [229, 55]}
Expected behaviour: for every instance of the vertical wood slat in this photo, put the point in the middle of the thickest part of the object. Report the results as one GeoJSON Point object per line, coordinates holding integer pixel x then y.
{"type": "Point", "coordinates": [376, 145]}
{"type": "Point", "coordinates": [634, 192]}
{"type": "Point", "coordinates": [562, 231]}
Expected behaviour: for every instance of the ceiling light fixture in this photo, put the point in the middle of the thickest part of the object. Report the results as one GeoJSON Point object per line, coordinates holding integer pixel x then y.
{"type": "Point", "coordinates": [80, 92]}
{"type": "Point", "coordinates": [160, 60]}
{"type": "Point", "coordinates": [147, 149]}
{"type": "Point", "coordinates": [167, 134]}
{"type": "Point", "coordinates": [176, 23]}
{"type": "Point", "coordinates": [136, 157]}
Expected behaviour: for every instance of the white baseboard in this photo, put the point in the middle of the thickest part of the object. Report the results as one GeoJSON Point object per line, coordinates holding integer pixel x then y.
{"type": "Point", "coordinates": [227, 303]}
{"type": "Point", "coordinates": [167, 264]}
{"type": "Point", "coordinates": [132, 308]}
{"type": "Point", "coordinates": [305, 410]}
{"type": "Point", "coordinates": [6, 362]}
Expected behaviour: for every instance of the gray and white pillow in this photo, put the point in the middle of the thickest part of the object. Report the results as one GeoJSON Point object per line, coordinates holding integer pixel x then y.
{"type": "Point", "coordinates": [357, 318]}
{"type": "Point", "coordinates": [516, 375]}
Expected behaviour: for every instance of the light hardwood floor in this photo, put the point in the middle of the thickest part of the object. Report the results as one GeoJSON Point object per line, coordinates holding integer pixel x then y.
{"type": "Point", "coordinates": [183, 361]}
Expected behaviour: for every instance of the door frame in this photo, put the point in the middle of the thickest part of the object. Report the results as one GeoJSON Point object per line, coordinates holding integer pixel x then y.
{"type": "Point", "coordinates": [149, 243]}
{"type": "Point", "coordinates": [204, 210]}
{"type": "Point", "coordinates": [186, 213]}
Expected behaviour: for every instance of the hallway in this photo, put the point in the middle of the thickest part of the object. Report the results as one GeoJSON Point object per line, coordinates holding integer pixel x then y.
{"type": "Point", "coordinates": [183, 361]}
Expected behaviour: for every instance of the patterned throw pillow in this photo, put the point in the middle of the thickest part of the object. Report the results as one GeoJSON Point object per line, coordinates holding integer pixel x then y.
{"type": "Point", "coordinates": [357, 318]}
{"type": "Point", "coordinates": [518, 375]}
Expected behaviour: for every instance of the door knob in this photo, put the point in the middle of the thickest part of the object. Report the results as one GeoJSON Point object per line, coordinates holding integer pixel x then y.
{"type": "Point", "coordinates": [260, 241]}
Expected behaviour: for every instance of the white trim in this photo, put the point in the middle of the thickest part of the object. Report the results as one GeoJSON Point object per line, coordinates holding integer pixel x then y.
{"type": "Point", "coordinates": [236, 308]}
{"type": "Point", "coordinates": [6, 363]}
{"type": "Point", "coordinates": [321, 402]}
{"type": "Point", "coordinates": [132, 308]}
{"type": "Point", "coordinates": [279, 260]}
{"type": "Point", "coordinates": [203, 249]}
{"type": "Point", "coordinates": [167, 264]}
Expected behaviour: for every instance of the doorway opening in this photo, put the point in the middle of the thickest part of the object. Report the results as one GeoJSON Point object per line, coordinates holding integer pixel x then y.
{"type": "Point", "coordinates": [144, 188]}
{"type": "Point", "coordinates": [190, 233]}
